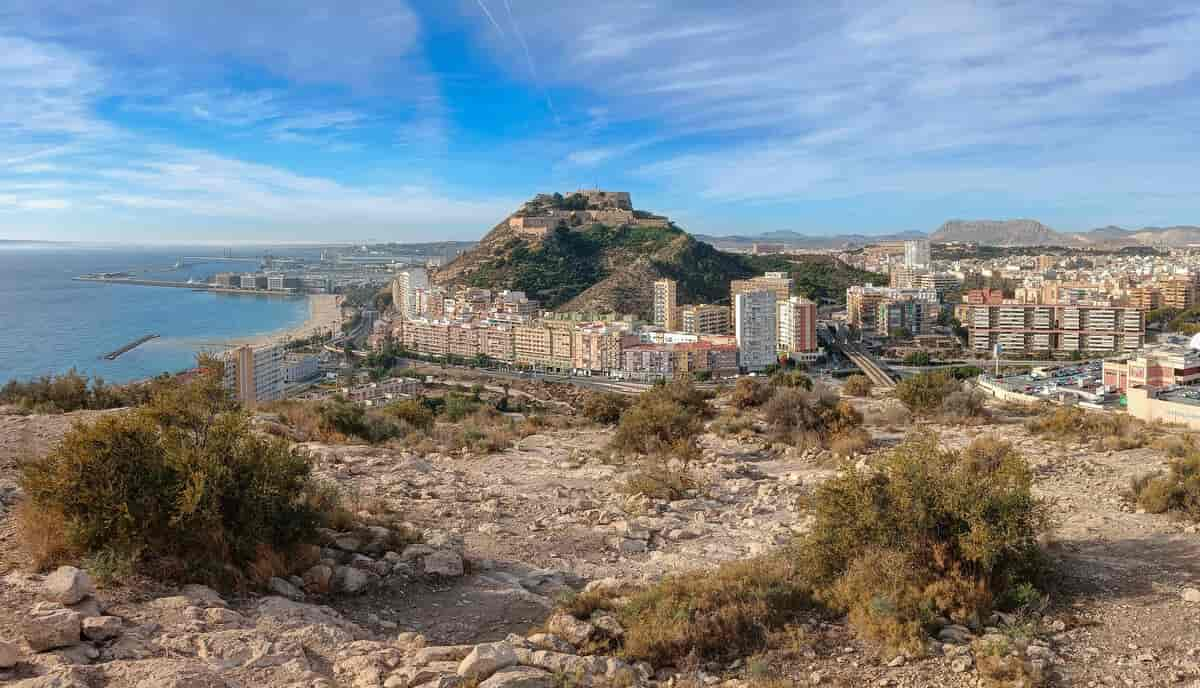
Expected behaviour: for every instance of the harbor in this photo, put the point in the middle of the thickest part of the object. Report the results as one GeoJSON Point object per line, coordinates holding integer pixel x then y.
{"type": "Point", "coordinates": [196, 286]}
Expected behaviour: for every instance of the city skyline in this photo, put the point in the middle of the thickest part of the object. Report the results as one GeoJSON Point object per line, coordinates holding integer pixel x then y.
{"type": "Point", "coordinates": [158, 121]}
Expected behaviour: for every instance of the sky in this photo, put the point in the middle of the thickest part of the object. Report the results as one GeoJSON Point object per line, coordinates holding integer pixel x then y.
{"type": "Point", "coordinates": [407, 120]}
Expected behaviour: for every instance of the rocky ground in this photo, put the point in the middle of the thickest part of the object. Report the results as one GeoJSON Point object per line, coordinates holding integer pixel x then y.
{"type": "Point", "coordinates": [507, 534]}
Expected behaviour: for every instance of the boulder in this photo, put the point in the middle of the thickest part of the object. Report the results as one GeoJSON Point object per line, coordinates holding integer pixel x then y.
{"type": "Point", "coordinates": [1191, 595]}
{"type": "Point", "coordinates": [549, 641]}
{"type": "Point", "coordinates": [203, 596]}
{"type": "Point", "coordinates": [48, 628]}
{"type": "Point", "coordinates": [9, 654]}
{"type": "Point", "coordinates": [485, 660]}
{"type": "Point", "coordinates": [349, 580]}
{"type": "Point", "coordinates": [520, 677]}
{"type": "Point", "coordinates": [443, 563]}
{"type": "Point", "coordinates": [283, 588]}
{"type": "Point", "coordinates": [100, 628]}
{"type": "Point", "coordinates": [318, 578]}
{"type": "Point", "coordinates": [570, 629]}
{"type": "Point", "coordinates": [441, 653]}
{"type": "Point", "coordinates": [68, 585]}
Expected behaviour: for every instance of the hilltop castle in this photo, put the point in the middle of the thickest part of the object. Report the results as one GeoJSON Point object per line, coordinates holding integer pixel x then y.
{"type": "Point", "coordinates": [545, 212]}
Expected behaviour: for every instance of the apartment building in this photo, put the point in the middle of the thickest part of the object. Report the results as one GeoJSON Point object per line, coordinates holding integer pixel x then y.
{"type": "Point", "coordinates": [754, 320]}
{"type": "Point", "coordinates": [916, 254]}
{"type": "Point", "coordinates": [596, 348]}
{"type": "Point", "coordinates": [404, 291]}
{"type": "Point", "coordinates": [497, 343]}
{"type": "Point", "coordinates": [255, 374]}
{"type": "Point", "coordinates": [666, 304]}
{"type": "Point", "coordinates": [863, 307]}
{"type": "Point", "coordinates": [1145, 298]}
{"type": "Point", "coordinates": [797, 324]}
{"type": "Point", "coordinates": [778, 283]}
{"type": "Point", "coordinates": [1179, 293]}
{"type": "Point", "coordinates": [705, 318]}
{"type": "Point", "coordinates": [910, 315]}
{"type": "Point", "coordinates": [300, 367]}
{"type": "Point", "coordinates": [1055, 329]}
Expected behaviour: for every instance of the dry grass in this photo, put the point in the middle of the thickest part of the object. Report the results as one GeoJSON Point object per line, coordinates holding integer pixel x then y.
{"type": "Point", "coordinates": [732, 424]}
{"type": "Point", "coordinates": [43, 537]}
{"type": "Point", "coordinates": [1110, 431]}
{"type": "Point", "coordinates": [857, 386]}
{"type": "Point", "coordinates": [851, 443]}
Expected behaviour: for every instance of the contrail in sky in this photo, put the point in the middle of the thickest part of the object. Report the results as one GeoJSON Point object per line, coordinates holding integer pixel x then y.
{"type": "Point", "coordinates": [489, 16]}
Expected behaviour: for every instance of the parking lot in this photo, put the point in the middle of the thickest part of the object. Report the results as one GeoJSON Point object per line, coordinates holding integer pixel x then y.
{"type": "Point", "coordinates": [1083, 382]}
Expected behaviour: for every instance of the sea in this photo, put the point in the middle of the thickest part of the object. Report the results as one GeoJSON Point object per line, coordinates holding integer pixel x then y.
{"type": "Point", "coordinates": [50, 324]}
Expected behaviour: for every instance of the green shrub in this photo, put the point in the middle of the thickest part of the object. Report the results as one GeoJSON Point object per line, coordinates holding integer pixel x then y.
{"type": "Point", "coordinates": [750, 392]}
{"type": "Point", "coordinates": [719, 615]}
{"type": "Point", "coordinates": [923, 394]}
{"type": "Point", "coordinates": [857, 386]}
{"type": "Point", "coordinates": [959, 532]}
{"type": "Point", "coordinates": [798, 416]}
{"type": "Point", "coordinates": [458, 406]}
{"type": "Point", "coordinates": [412, 412]}
{"type": "Point", "coordinates": [663, 416]}
{"type": "Point", "coordinates": [73, 392]}
{"type": "Point", "coordinates": [605, 408]}
{"type": "Point", "coordinates": [791, 378]}
{"type": "Point", "coordinates": [184, 477]}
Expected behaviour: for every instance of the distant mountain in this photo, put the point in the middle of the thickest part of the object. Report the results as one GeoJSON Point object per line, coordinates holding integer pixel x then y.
{"type": "Point", "coordinates": [805, 241]}
{"type": "Point", "coordinates": [999, 233]}
{"type": "Point", "coordinates": [611, 265]}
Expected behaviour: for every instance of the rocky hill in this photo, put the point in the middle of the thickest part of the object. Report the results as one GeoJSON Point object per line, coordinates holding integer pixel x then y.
{"type": "Point", "coordinates": [998, 233]}
{"type": "Point", "coordinates": [599, 267]}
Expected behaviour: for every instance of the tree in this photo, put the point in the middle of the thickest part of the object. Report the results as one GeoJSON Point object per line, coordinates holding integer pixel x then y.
{"type": "Point", "coordinates": [918, 358]}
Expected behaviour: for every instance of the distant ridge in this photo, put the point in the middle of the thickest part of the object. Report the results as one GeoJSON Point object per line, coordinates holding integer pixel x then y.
{"type": "Point", "coordinates": [1007, 233]}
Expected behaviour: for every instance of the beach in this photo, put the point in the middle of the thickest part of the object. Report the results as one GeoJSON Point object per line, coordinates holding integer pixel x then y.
{"type": "Point", "coordinates": [324, 314]}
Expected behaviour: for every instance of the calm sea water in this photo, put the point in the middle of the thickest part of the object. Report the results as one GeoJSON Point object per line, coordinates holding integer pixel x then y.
{"type": "Point", "coordinates": [49, 323]}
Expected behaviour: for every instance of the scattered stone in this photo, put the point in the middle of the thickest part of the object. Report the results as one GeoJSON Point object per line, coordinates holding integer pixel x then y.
{"type": "Point", "coordinates": [443, 563]}
{"type": "Point", "coordinates": [68, 585]}
{"type": "Point", "coordinates": [100, 628]}
{"type": "Point", "coordinates": [1191, 595]}
{"type": "Point", "coordinates": [281, 587]}
{"type": "Point", "coordinates": [48, 628]}
{"type": "Point", "coordinates": [520, 677]}
{"type": "Point", "coordinates": [570, 629]}
{"type": "Point", "coordinates": [961, 664]}
{"type": "Point", "coordinates": [9, 654]}
{"type": "Point", "coordinates": [485, 660]}
{"type": "Point", "coordinates": [349, 580]}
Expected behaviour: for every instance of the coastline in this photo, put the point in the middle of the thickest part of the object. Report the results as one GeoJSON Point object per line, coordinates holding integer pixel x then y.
{"type": "Point", "coordinates": [324, 314]}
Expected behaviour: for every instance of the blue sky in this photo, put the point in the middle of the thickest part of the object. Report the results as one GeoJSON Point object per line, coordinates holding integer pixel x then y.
{"type": "Point", "coordinates": [167, 120]}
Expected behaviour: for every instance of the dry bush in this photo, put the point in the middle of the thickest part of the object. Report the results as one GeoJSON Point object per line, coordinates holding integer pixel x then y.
{"type": "Point", "coordinates": [731, 423]}
{"type": "Point", "coordinates": [484, 432]}
{"type": "Point", "coordinates": [43, 536]}
{"type": "Point", "coordinates": [1113, 431]}
{"type": "Point", "coordinates": [605, 408]}
{"type": "Point", "coordinates": [750, 392]}
{"type": "Point", "coordinates": [1176, 491]}
{"type": "Point", "coordinates": [1175, 446]}
{"type": "Point", "coordinates": [851, 443]}
{"type": "Point", "coordinates": [964, 405]}
{"type": "Point", "coordinates": [999, 667]}
{"type": "Point", "coordinates": [659, 480]}
{"type": "Point", "coordinates": [801, 417]}
{"type": "Point", "coordinates": [959, 532]}
{"type": "Point", "coordinates": [857, 386]}
{"type": "Point", "coordinates": [718, 615]}
{"type": "Point", "coordinates": [303, 418]}
{"type": "Point", "coordinates": [892, 415]}
{"type": "Point", "coordinates": [791, 378]}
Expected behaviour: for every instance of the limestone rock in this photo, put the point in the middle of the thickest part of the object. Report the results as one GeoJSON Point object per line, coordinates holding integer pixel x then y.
{"type": "Point", "coordinates": [485, 660]}
{"type": "Point", "coordinates": [570, 629]}
{"type": "Point", "coordinates": [68, 585]}
{"type": "Point", "coordinates": [443, 563]}
{"type": "Point", "coordinates": [520, 677]}
{"type": "Point", "coordinates": [349, 580]}
{"type": "Point", "coordinates": [48, 628]}
{"type": "Point", "coordinates": [1191, 595]}
{"type": "Point", "coordinates": [281, 587]}
{"type": "Point", "coordinates": [100, 628]}
{"type": "Point", "coordinates": [9, 654]}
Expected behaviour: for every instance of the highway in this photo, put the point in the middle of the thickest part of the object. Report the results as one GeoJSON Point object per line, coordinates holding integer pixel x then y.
{"type": "Point", "coordinates": [875, 372]}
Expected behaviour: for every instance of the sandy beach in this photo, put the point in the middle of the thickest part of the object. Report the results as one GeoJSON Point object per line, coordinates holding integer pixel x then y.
{"type": "Point", "coordinates": [324, 314]}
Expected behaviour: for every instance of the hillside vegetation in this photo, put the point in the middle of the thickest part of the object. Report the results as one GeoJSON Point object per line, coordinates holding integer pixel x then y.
{"type": "Point", "coordinates": [603, 268]}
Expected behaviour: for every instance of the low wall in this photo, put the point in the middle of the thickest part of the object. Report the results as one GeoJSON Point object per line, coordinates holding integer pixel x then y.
{"type": "Point", "coordinates": [1140, 404]}
{"type": "Point", "coordinates": [999, 392]}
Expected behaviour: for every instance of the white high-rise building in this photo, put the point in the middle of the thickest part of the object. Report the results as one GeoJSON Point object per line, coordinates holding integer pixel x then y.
{"type": "Point", "coordinates": [404, 291]}
{"type": "Point", "coordinates": [666, 304]}
{"type": "Point", "coordinates": [754, 316]}
{"type": "Point", "coordinates": [916, 254]}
